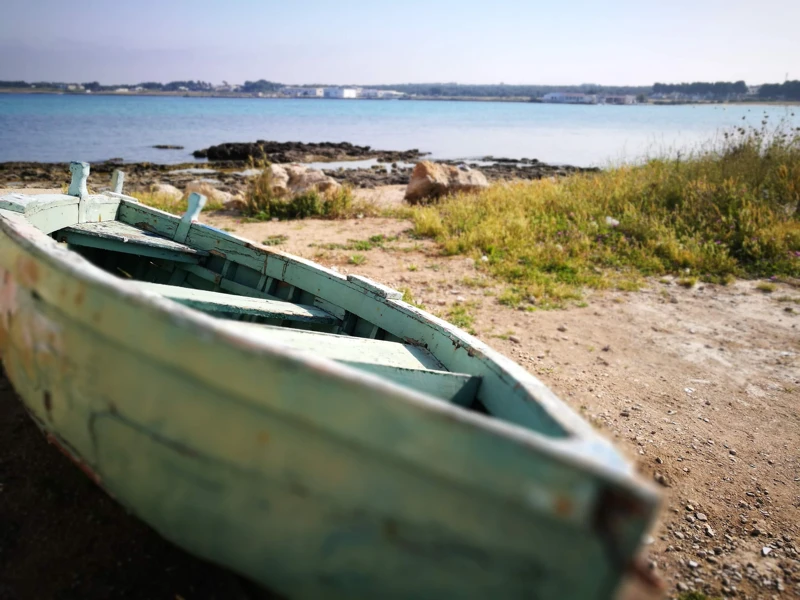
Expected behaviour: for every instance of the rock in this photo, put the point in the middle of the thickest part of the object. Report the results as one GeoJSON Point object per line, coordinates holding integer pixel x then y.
{"type": "Point", "coordinates": [514, 339]}
{"type": "Point", "coordinates": [612, 222]}
{"type": "Point", "coordinates": [167, 147]}
{"type": "Point", "coordinates": [433, 180]}
{"type": "Point", "coordinates": [293, 180]}
{"type": "Point", "coordinates": [765, 550]}
{"type": "Point", "coordinates": [166, 190]}
{"type": "Point", "coordinates": [210, 192]}
{"type": "Point", "coordinates": [701, 517]}
{"type": "Point", "coordinates": [236, 203]}
{"type": "Point", "coordinates": [693, 564]}
{"type": "Point", "coordinates": [288, 152]}
{"type": "Point", "coordinates": [562, 327]}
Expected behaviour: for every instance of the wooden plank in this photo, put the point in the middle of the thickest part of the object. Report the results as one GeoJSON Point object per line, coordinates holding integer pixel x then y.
{"type": "Point", "coordinates": [148, 218]}
{"type": "Point", "coordinates": [228, 285]}
{"type": "Point", "coordinates": [113, 245]}
{"type": "Point", "coordinates": [46, 212]}
{"type": "Point", "coordinates": [120, 237]}
{"type": "Point", "coordinates": [228, 303]}
{"type": "Point", "coordinates": [28, 204]}
{"type": "Point", "coordinates": [458, 388]}
{"type": "Point", "coordinates": [343, 348]}
{"type": "Point", "coordinates": [115, 230]}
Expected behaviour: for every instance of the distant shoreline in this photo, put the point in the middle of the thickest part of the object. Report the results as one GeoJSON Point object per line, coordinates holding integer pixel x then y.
{"type": "Point", "coordinates": [517, 99]}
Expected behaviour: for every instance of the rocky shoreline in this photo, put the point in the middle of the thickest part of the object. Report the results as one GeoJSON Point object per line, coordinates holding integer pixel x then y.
{"type": "Point", "coordinates": [289, 152]}
{"type": "Point", "coordinates": [229, 166]}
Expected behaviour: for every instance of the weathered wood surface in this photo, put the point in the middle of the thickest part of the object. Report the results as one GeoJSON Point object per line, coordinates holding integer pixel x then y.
{"type": "Point", "coordinates": [343, 348]}
{"type": "Point", "coordinates": [119, 237]}
{"type": "Point", "coordinates": [404, 364]}
{"type": "Point", "coordinates": [117, 181]}
{"type": "Point", "coordinates": [196, 203]}
{"type": "Point", "coordinates": [316, 479]}
{"type": "Point", "coordinates": [216, 302]}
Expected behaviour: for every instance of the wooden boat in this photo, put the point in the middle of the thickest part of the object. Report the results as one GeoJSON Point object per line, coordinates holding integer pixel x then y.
{"type": "Point", "coordinates": [311, 431]}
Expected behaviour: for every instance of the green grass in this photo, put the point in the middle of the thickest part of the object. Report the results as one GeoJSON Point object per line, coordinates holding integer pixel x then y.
{"type": "Point", "coordinates": [275, 240]}
{"type": "Point", "coordinates": [728, 210]}
{"type": "Point", "coordinates": [357, 259]}
{"type": "Point", "coordinates": [408, 296]}
{"type": "Point", "coordinates": [262, 203]}
{"type": "Point", "coordinates": [460, 315]}
{"type": "Point", "coordinates": [694, 596]}
{"type": "Point", "coordinates": [766, 287]}
{"type": "Point", "coordinates": [167, 204]}
{"type": "Point", "coordinates": [376, 241]}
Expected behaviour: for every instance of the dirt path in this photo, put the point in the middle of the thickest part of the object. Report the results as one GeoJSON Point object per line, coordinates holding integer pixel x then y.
{"type": "Point", "coordinates": [700, 387]}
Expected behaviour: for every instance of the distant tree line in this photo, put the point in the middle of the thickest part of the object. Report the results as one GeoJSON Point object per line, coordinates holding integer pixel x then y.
{"type": "Point", "coordinates": [717, 89]}
{"type": "Point", "coordinates": [456, 90]}
{"type": "Point", "coordinates": [94, 86]}
{"type": "Point", "coordinates": [788, 90]}
{"type": "Point", "coordinates": [262, 85]}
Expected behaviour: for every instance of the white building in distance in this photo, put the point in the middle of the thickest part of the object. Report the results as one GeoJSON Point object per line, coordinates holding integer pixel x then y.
{"type": "Point", "coordinates": [338, 92]}
{"type": "Point", "coordinates": [303, 92]}
{"type": "Point", "coordinates": [380, 94]}
{"type": "Point", "coordinates": [570, 98]}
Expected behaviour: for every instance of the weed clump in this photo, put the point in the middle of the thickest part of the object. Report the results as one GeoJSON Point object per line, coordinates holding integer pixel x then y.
{"type": "Point", "coordinates": [262, 202]}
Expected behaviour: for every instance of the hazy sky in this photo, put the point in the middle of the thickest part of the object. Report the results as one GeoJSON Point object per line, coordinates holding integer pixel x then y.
{"type": "Point", "coordinates": [632, 42]}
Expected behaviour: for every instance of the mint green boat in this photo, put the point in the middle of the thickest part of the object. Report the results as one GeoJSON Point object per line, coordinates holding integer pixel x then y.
{"type": "Point", "coordinates": [310, 431]}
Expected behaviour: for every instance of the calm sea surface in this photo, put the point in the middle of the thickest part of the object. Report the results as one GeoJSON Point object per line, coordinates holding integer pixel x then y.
{"type": "Point", "coordinates": [53, 128]}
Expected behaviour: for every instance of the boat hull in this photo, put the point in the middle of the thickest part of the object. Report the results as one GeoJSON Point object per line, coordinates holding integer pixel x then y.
{"type": "Point", "coordinates": [316, 481]}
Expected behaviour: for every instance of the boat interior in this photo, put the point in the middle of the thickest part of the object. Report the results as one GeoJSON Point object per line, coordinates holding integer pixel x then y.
{"type": "Point", "coordinates": [157, 253]}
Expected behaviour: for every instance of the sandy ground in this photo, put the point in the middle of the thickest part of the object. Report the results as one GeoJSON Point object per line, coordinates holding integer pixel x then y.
{"type": "Point", "coordinates": [700, 387]}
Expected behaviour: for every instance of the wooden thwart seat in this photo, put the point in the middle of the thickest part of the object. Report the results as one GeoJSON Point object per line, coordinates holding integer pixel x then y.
{"type": "Point", "coordinates": [405, 364]}
{"type": "Point", "coordinates": [116, 236]}
{"type": "Point", "coordinates": [216, 302]}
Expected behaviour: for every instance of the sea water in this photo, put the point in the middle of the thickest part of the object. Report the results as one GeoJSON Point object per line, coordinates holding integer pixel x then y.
{"type": "Point", "coordinates": [55, 128]}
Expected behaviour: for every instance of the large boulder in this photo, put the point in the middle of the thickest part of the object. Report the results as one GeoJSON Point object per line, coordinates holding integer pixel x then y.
{"type": "Point", "coordinates": [167, 191]}
{"type": "Point", "coordinates": [431, 180]}
{"type": "Point", "coordinates": [294, 180]}
{"type": "Point", "coordinates": [209, 191]}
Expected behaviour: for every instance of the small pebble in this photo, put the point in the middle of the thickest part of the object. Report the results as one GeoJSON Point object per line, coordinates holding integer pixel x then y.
{"type": "Point", "coordinates": [513, 338]}
{"type": "Point", "coordinates": [765, 550]}
{"type": "Point", "coordinates": [701, 517]}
